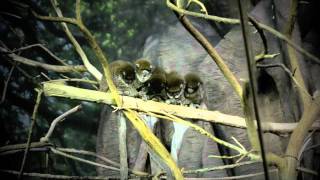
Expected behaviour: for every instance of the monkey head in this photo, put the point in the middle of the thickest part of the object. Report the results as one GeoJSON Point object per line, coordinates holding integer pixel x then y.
{"type": "Point", "coordinates": [156, 85]}
{"type": "Point", "coordinates": [143, 70]}
{"type": "Point", "coordinates": [175, 85]}
{"type": "Point", "coordinates": [123, 70]}
{"type": "Point", "coordinates": [193, 83]}
{"type": "Point", "coordinates": [194, 91]}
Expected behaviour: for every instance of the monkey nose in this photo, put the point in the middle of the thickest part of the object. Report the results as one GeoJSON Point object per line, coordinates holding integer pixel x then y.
{"type": "Point", "coordinates": [190, 90]}
{"type": "Point", "coordinates": [145, 73]}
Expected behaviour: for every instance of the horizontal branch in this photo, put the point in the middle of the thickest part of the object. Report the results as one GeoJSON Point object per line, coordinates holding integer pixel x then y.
{"type": "Point", "coordinates": [49, 67]}
{"type": "Point", "coordinates": [21, 147]}
{"type": "Point", "coordinates": [55, 19]}
{"type": "Point", "coordinates": [59, 90]}
{"type": "Point", "coordinates": [56, 176]}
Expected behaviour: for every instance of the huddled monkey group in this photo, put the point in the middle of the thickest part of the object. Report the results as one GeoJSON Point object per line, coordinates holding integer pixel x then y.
{"type": "Point", "coordinates": [141, 79]}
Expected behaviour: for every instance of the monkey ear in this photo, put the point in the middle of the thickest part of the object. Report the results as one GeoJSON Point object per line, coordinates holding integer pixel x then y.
{"type": "Point", "coordinates": [199, 83]}
{"type": "Point", "coordinates": [137, 65]}
{"type": "Point", "coordinates": [151, 67]}
{"type": "Point", "coordinates": [181, 86]}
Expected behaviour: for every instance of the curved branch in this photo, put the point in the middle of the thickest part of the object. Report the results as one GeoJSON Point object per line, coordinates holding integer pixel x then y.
{"type": "Point", "coordinates": [57, 120]}
{"type": "Point", "coordinates": [215, 56]}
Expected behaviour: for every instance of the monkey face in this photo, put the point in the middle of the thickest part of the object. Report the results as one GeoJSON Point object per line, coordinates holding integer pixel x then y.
{"type": "Point", "coordinates": [143, 70]}
{"type": "Point", "coordinates": [156, 84]}
{"type": "Point", "coordinates": [123, 70]}
{"type": "Point", "coordinates": [192, 88]}
{"type": "Point", "coordinates": [175, 91]}
{"type": "Point", "coordinates": [175, 85]}
{"type": "Point", "coordinates": [193, 83]}
{"type": "Point", "coordinates": [128, 75]}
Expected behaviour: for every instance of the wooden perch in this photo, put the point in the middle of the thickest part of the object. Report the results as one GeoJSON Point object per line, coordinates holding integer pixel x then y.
{"type": "Point", "coordinates": [59, 90]}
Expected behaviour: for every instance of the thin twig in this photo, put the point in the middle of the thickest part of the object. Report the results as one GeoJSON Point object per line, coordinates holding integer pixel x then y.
{"type": "Point", "coordinates": [33, 122]}
{"type": "Point", "coordinates": [6, 82]}
{"type": "Point", "coordinates": [83, 152]}
{"type": "Point", "coordinates": [312, 147]}
{"type": "Point", "coordinates": [55, 151]}
{"type": "Point", "coordinates": [74, 80]}
{"type": "Point", "coordinates": [49, 67]}
{"type": "Point", "coordinates": [56, 19]}
{"type": "Point", "coordinates": [306, 170]}
{"type": "Point", "coordinates": [43, 48]}
{"type": "Point", "coordinates": [261, 33]}
{"type": "Point", "coordinates": [202, 170]}
{"type": "Point", "coordinates": [256, 136]}
{"type": "Point", "coordinates": [20, 147]}
{"type": "Point", "coordinates": [204, 132]}
{"type": "Point", "coordinates": [57, 120]}
{"type": "Point", "coordinates": [246, 176]}
{"type": "Point", "coordinates": [75, 43]}
{"type": "Point", "coordinates": [262, 56]}
{"type": "Point", "coordinates": [290, 74]}
{"type": "Point", "coordinates": [55, 176]}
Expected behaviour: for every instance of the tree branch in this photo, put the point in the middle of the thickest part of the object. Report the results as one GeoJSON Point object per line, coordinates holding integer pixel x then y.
{"type": "Point", "coordinates": [59, 90]}
{"type": "Point", "coordinates": [57, 120]}
{"type": "Point", "coordinates": [33, 118]}
{"type": "Point", "coordinates": [49, 67]}
{"type": "Point", "coordinates": [144, 131]}
{"type": "Point", "coordinates": [237, 21]}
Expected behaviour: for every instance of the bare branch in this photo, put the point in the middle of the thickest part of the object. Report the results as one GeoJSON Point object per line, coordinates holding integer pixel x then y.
{"type": "Point", "coordinates": [9, 149]}
{"type": "Point", "coordinates": [220, 167]}
{"type": "Point", "coordinates": [54, 176]}
{"type": "Point", "coordinates": [93, 70]}
{"type": "Point", "coordinates": [138, 124]}
{"type": "Point", "coordinates": [236, 21]}
{"type": "Point", "coordinates": [306, 170]}
{"type": "Point", "coordinates": [55, 151]}
{"type": "Point", "coordinates": [74, 80]}
{"type": "Point", "coordinates": [33, 122]}
{"type": "Point", "coordinates": [42, 47]}
{"type": "Point", "coordinates": [55, 19]}
{"type": "Point", "coordinates": [57, 120]}
{"type": "Point", "coordinates": [200, 15]}
{"type": "Point", "coordinates": [290, 74]}
{"type": "Point", "coordinates": [49, 67]}
{"type": "Point", "coordinates": [215, 56]}
{"type": "Point", "coordinates": [58, 90]}
{"type": "Point", "coordinates": [6, 82]}
{"type": "Point", "coordinates": [83, 152]}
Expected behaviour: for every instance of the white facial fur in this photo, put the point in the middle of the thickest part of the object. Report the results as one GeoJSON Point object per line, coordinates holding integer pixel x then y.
{"type": "Point", "coordinates": [144, 76]}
